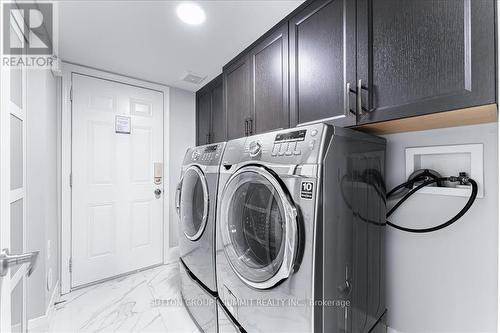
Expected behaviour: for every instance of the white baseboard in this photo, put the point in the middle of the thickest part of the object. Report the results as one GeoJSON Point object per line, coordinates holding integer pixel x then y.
{"type": "Point", "coordinates": [42, 323]}
{"type": "Point", "coordinates": [172, 255]}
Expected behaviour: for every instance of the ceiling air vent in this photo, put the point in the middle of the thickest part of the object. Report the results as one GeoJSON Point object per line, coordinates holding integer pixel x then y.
{"type": "Point", "coordinates": [193, 78]}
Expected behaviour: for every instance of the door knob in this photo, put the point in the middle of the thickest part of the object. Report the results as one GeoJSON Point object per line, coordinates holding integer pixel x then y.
{"type": "Point", "coordinates": [7, 260]}
{"type": "Point", "coordinates": [157, 192]}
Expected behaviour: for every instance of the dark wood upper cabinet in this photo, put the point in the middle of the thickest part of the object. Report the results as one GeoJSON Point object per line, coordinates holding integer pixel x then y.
{"type": "Point", "coordinates": [218, 118]}
{"type": "Point", "coordinates": [421, 57]}
{"type": "Point", "coordinates": [323, 62]}
{"type": "Point", "coordinates": [210, 120]}
{"type": "Point", "coordinates": [236, 78]}
{"type": "Point", "coordinates": [357, 62]}
{"type": "Point", "coordinates": [269, 82]}
{"type": "Point", "coordinates": [203, 117]}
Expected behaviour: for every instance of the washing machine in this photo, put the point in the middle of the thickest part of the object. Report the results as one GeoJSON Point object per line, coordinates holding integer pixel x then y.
{"type": "Point", "coordinates": [196, 202]}
{"type": "Point", "coordinates": [300, 231]}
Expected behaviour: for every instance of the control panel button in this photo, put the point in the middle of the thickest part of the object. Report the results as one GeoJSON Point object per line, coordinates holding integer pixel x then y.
{"type": "Point", "coordinates": [314, 132]}
{"type": "Point", "coordinates": [311, 144]}
{"type": "Point", "coordinates": [283, 149]}
{"type": "Point", "coordinates": [291, 147]}
{"type": "Point", "coordinates": [276, 148]}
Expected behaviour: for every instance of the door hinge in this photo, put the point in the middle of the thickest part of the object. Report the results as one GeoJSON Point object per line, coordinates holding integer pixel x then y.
{"type": "Point", "coordinates": [71, 94]}
{"type": "Point", "coordinates": [71, 265]}
{"type": "Point", "coordinates": [71, 180]}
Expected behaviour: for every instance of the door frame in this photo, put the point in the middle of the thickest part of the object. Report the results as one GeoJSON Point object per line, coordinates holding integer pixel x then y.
{"type": "Point", "coordinates": [65, 146]}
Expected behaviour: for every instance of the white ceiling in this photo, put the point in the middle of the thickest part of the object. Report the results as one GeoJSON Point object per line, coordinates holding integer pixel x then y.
{"type": "Point", "coordinates": [146, 40]}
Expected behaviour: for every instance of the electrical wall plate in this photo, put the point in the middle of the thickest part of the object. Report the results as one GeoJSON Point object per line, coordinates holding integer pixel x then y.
{"type": "Point", "coordinates": [448, 160]}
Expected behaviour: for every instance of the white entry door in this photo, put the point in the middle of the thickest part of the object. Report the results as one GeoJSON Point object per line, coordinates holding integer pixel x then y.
{"type": "Point", "coordinates": [117, 218]}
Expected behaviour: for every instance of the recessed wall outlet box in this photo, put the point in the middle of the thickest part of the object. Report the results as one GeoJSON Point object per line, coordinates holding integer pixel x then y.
{"type": "Point", "coordinates": [448, 160]}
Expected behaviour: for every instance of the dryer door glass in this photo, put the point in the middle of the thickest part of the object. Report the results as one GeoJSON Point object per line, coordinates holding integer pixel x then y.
{"type": "Point", "coordinates": [258, 227]}
{"type": "Point", "coordinates": [193, 203]}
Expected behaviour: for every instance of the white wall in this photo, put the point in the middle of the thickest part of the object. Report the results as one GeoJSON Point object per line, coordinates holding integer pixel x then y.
{"type": "Point", "coordinates": [41, 185]}
{"type": "Point", "coordinates": [445, 281]}
{"type": "Point", "coordinates": [182, 135]}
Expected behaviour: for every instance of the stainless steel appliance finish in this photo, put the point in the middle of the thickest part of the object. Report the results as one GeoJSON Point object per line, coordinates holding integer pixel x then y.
{"type": "Point", "coordinates": [200, 303]}
{"type": "Point", "coordinates": [196, 202]}
{"type": "Point", "coordinates": [300, 231]}
{"type": "Point", "coordinates": [226, 323]}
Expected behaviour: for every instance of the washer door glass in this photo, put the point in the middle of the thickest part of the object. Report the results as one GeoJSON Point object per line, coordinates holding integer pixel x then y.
{"type": "Point", "coordinates": [193, 203]}
{"type": "Point", "coordinates": [258, 227]}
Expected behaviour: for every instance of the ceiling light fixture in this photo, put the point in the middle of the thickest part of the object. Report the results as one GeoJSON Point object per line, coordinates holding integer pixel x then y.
{"type": "Point", "coordinates": [190, 13]}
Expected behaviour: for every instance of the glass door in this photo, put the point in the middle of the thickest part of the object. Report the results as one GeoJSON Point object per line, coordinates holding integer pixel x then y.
{"type": "Point", "coordinates": [258, 227]}
{"type": "Point", "coordinates": [193, 192]}
{"type": "Point", "coordinates": [15, 265]}
{"type": "Point", "coordinates": [13, 200]}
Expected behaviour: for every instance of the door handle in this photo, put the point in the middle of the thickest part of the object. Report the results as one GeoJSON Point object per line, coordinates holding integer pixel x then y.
{"type": "Point", "coordinates": [360, 109]}
{"type": "Point", "coordinates": [347, 101]}
{"type": "Point", "coordinates": [246, 127]}
{"type": "Point", "coordinates": [250, 126]}
{"type": "Point", "coordinates": [157, 192]}
{"type": "Point", "coordinates": [178, 199]}
{"type": "Point", "coordinates": [359, 100]}
{"type": "Point", "coordinates": [10, 260]}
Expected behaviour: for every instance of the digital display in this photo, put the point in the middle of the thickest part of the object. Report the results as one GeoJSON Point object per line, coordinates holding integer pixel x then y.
{"type": "Point", "coordinates": [210, 148]}
{"type": "Point", "coordinates": [291, 136]}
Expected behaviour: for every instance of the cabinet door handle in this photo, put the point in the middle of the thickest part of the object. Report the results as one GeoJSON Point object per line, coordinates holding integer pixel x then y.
{"type": "Point", "coordinates": [347, 102]}
{"type": "Point", "coordinates": [207, 138]}
{"type": "Point", "coordinates": [250, 126]}
{"type": "Point", "coordinates": [246, 127]}
{"type": "Point", "coordinates": [360, 109]}
{"type": "Point", "coordinates": [358, 97]}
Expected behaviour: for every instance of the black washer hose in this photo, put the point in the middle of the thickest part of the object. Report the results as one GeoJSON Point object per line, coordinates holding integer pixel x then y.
{"type": "Point", "coordinates": [425, 183]}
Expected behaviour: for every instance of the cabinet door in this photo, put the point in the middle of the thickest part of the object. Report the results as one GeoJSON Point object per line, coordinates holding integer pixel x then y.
{"type": "Point", "coordinates": [218, 118]}
{"type": "Point", "coordinates": [323, 63]}
{"type": "Point", "coordinates": [269, 82]}
{"type": "Point", "coordinates": [237, 97]}
{"type": "Point", "coordinates": [203, 115]}
{"type": "Point", "coordinates": [424, 56]}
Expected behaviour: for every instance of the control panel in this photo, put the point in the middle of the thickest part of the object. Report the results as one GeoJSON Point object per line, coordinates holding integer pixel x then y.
{"type": "Point", "coordinates": [297, 146]}
{"type": "Point", "coordinates": [292, 143]}
{"type": "Point", "coordinates": [207, 154]}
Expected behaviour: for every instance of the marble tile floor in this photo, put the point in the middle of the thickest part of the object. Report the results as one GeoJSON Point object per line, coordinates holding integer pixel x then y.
{"type": "Point", "coordinates": [147, 301]}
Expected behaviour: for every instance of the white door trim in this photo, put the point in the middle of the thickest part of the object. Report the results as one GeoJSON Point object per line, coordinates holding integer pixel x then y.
{"type": "Point", "coordinates": [65, 163]}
